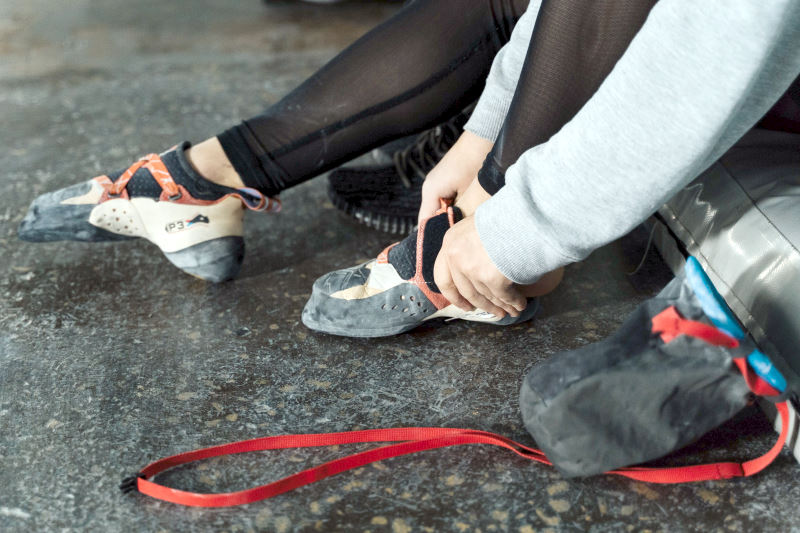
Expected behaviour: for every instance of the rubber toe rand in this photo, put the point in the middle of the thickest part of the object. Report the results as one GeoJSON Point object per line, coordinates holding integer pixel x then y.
{"type": "Point", "coordinates": [49, 220]}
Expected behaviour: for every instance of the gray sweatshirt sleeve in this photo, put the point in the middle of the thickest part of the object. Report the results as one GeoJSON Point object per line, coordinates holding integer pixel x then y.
{"type": "Point", "coordinates": [490, 112]}
{"type": "Point", "coordinates": [695, 78]}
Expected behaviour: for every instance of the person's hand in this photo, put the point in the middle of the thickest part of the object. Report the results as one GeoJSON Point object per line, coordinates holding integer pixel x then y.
{"type": "Point", "coordinates": [443, 181]}
{"type": "Point", "coordinates": [467, 277]}
{"type": "Point", "coordinates": [454, 173]}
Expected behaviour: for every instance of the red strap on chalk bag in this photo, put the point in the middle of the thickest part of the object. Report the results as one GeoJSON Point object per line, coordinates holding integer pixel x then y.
{"type": "Point", "coordinates": [412, 440]}
{"type": "Point", "coordinates": [669, 324]}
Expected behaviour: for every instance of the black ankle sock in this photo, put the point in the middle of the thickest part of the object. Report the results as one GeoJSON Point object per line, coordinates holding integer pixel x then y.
{"type": "Point", "coordinates": [143, 184]}
{"type": "Point", "coordinates": [403, 256]}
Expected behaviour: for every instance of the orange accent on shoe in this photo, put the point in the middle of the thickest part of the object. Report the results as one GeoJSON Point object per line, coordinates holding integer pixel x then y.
{"type": "Point", "coordinates": [265, 203]}
{"type": "Point", "coordinates": [273, 205]}
{"type": "Point", "coordinates": [437, 299]}
{"type": "Point", "coordinates": [160, 173]}
{"type": "Point", "coordinates": [444, 205]}
{"type": "Point", "coordinates": [171, 191]}
{"type": "Point", "coordinates": [383, 257]}
{"type": "Point", "coordinates": [151, 162]}
{"type": "Point", "coordinates": [107, 184]}
{"type": "Point", "coordinates": [117, 188]}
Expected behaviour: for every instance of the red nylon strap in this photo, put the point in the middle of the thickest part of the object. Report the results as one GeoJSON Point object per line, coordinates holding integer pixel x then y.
{"type": "Point", "coordinates": [414, 440]}
{"type": "Point", "coordinates": [756, 384]}
{"type": "Point", "coordinates": [670, 324]}
{"type": "Point", "coordinates": [411, 440]}
{"type": "Point", "coordinates": [713, 471]}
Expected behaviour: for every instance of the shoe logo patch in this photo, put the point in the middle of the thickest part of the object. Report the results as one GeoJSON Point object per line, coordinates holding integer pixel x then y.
{"type": "Point", "coordinates": [197, 220]}
{"type": "Point", "coordinates": [180, 225]}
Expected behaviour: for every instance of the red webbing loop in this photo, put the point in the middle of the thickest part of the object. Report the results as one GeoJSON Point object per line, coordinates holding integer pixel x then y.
{"type": "Point", "coordinates": [412, 440]}
{"type": "Point", "coordinates": [415, 440]}
{"type": "Point", "coordinates": [683, 474]}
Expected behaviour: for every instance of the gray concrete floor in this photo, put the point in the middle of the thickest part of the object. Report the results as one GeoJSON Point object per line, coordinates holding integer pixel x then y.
{"type": "Point", "coordinates": [110, 357]}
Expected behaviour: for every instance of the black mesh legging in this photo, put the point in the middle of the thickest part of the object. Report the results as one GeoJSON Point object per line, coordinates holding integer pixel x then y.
{"type": "Point", "coordinates": [422, 66]}
{"type": "Point", "coordinates": [574, 46]}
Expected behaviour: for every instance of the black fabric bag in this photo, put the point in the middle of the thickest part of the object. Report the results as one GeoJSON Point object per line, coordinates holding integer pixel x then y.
{"type": "Point", "coordinates": [640, 393]}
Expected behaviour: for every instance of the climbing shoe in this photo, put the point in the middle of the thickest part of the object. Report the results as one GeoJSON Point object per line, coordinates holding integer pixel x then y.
{"type": "Point", "coordinates": [395, 292]}
{"type": "Point", "coordinates": [161, 198]}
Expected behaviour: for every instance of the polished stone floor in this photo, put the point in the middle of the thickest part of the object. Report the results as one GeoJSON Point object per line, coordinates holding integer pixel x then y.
{"type": "Point", "coordinates": [111, 358]}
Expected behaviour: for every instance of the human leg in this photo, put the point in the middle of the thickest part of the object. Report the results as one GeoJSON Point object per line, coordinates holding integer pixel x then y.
{"type": "Point", "coordinates": [574, 46]}
{"type": "Point", "coordinates": [571, 39]}
{"type": "Point", "coordinates": [418, 68]}
{"type": "Point", "coordinates": [360, 99]}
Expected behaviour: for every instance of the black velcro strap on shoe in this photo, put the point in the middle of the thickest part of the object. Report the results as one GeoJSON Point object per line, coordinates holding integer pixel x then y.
{"type": "Point", "coordinates": [403, 256]}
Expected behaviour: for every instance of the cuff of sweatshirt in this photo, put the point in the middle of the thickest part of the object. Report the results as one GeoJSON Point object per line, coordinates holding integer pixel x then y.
{"type": "Point", "coordinates": [514, 241]}
{"type": "Point", "coordinates": [489, 115]}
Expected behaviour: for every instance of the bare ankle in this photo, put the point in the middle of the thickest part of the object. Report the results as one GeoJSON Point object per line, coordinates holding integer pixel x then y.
{"type": "Point", "coordinates": [472, 197]}
{"type": "Point", "coordinates": [209, 160]}
{"type": "Point", "coordinates": [546, 284]}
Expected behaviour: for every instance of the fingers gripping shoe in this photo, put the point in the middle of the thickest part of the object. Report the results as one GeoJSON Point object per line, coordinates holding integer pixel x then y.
{"type": "Point", "coordinates": [161, 198]}
{"type": "Point", "coordinates": [395, 292]}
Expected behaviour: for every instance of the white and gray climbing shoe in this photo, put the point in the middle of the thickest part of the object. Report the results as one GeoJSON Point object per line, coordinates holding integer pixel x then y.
{"type": "Point", "coordinates": [395, 292]}
{"type": "Point", "coordinates": [161, 198]}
